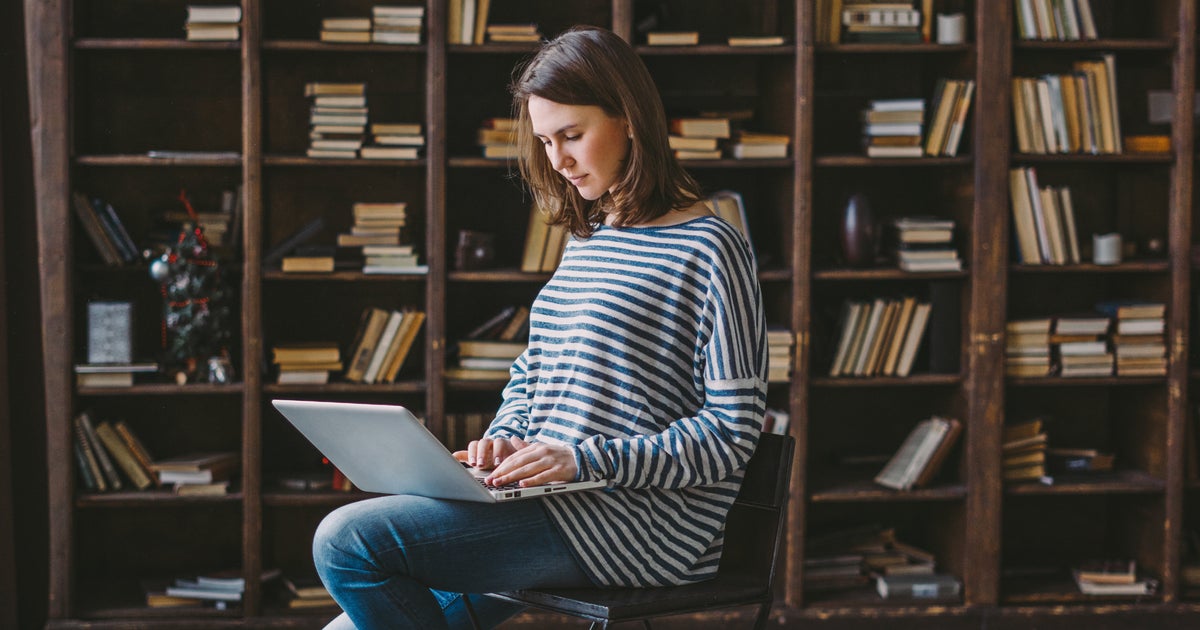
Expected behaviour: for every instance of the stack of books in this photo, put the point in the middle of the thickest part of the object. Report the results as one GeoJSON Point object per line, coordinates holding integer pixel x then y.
{"type": "Point", "coordinates": [1027, 347]}
{"type": "Point", "coordinates": [1080, 343]}
{"type": "Point", "coordinates": [217, 225]}
{"type": "Point", "coordinates": [853, 557]}
{"type": "Point", "coordinates": [780, 342]}
{"type": "Point", "coordinates": [544, 244]}
{"type": "Point", "coordinates": [397, 24]}
{"type": "Point", "coordinates": [382, 343]}
{"type": "Point", "coordinates": [758, 145]}
{"type": "Point", "coordinates": [1024, 452]}
{"type": "Point", "coordinates": [924, 244]}
{"type": "Point", "coordinates": [1055, 19]}
{"type": "Point", "coordinates": [513, 33]}
{"type": "Point", "coordinates": [1112, 577]}
{"type": "Point", "coordinates": [698, 138]}
{"type": "Point", "coordinates": [1073, 112]}
{"type": "Point", "coordinates": [498, 138]}
{"type": "Point", "coordinates": [394, 141]}
{"type": "Point", "coordinates": [880, 337]}
{"type": "Point", "coordinates": [375, 223]}
{"type": "Point", "coordinates": [1078, 461]}
{"type": "Point", "coordinates": [487, 351]}
{"type": "Point", "coordinates": [921, 455]}
{"type": "Point", "coordinates": [111, 374]}
{"type": "Point", "coordinates": [206, 473]}
{"type": "Point", "coordinates": [338, 119]}
{"type": "Point", "coordinates": [306, 593]}
{"type": "Point", "coordinates": [343, 30]}
{"type": "Point", "coordinates": [213, 23]}
{"type": "Point", "coordinates": [306, 363]}
{"type": "Point", "coordinates": [1044, 220]}
{"type": "Point", "coordinates": [218, 590]}
{"type": "Point", "coordinates": [110, 457]}
{"type": "Point", "coordinates": [951, 103]}
{"type": "Point", "coordinates": [892, 127]}
{"type": "Point", "coordinates": [1139, 337]}
{"type": "Point", "coordinates": [876, 22]}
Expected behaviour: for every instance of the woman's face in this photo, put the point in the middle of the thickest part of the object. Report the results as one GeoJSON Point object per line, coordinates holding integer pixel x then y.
{"type": "Point", "coordinates": [583, 143]}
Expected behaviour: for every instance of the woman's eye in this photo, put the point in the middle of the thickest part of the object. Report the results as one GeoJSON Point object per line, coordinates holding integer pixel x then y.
{"type": "Point", "coordinates": [576, 137]}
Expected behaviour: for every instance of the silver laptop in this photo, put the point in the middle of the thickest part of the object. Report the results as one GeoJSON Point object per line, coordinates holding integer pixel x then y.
{"type": "Point", "coordinates": [386, 449]}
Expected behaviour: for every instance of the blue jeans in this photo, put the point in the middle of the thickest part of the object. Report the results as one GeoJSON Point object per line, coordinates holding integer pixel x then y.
{"type": "Point", "coordinates": [405, 562]}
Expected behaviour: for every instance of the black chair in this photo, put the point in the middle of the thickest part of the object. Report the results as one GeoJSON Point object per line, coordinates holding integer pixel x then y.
{"type": "Point", "coordinates": [753, 533]}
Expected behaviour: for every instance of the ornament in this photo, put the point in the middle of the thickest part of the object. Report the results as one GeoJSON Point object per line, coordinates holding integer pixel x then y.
{"type": "Point", "coordinates": [857, 231]}
{"type": "Point", "coordinates": [159, 268]}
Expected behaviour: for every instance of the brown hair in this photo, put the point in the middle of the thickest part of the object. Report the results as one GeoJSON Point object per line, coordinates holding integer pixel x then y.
{"type": "Point", "coordinates": [593, 66]}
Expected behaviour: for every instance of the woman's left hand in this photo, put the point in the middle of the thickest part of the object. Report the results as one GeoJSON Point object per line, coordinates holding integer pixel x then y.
{"type": "Point", "coordinates": [535, 464]}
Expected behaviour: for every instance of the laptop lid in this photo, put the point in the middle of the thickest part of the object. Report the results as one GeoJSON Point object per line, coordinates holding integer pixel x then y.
{"type": "Point", "coordinates": [386, 449]}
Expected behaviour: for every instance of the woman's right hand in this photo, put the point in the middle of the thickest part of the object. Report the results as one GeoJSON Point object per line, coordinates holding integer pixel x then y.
{"type": "Point", "coordinates": [487, 453]}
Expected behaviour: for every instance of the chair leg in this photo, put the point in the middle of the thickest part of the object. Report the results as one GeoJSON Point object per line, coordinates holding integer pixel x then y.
{"type": "Point", "coordinates": [471, 612]}
{"type": "Point", "coordinates": [764, 615]}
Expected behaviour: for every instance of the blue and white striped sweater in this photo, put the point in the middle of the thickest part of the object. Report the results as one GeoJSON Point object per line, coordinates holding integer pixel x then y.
{"type": "Point", "coordinates": [647, 353]}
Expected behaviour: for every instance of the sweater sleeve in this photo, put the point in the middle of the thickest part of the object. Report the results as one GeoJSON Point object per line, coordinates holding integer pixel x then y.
{"type": "Point", "coordinates": [512, 418]}
{"type": "Point", "coordinates": [720, 437]}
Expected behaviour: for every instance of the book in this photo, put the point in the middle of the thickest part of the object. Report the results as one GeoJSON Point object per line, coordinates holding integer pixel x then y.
{"type": "Point", "coordinates": [143, 457]}
{"type": "Point", "coordinates": [672, 38]}
{"type": "Point", "coordinates": [923, 449]}
{"type": "Point", "coordinates": [103, 458]}
{"type": "Point", "coordinates": [932, 586]}
{"type": "Point", "coordinates": [201, 467]}
{"type": "Point", "coordinates": [370, 328]}
{"type": "Point", "coordinates": [214, 14]}
{"type": "Point", "coordinates": [491, 349]}
{"type": "Point", "coordinates": [123, 456]}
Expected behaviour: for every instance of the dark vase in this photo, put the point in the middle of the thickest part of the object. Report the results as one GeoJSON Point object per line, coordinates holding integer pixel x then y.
{"type": "Point", "coordinates": [857, 232]}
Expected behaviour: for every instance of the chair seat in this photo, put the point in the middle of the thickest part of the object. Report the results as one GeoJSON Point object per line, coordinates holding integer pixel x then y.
{"type": "Point", "coordinates": [615, 604]}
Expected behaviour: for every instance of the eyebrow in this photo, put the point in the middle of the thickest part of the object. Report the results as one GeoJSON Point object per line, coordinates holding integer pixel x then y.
{"type": "Point", "coordinates": [559, 130]}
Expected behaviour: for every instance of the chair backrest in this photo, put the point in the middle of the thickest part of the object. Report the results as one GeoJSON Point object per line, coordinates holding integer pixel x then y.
{"type": "Point", "coordinates": [754, 528]}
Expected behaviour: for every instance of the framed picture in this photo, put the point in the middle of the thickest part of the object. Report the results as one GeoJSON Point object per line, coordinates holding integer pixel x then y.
{"type": "Point", "coordinates": [110, 332]}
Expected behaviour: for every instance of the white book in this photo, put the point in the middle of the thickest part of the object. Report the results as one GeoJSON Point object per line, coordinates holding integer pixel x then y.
{"type": "Point", "coordinates": [381, 348]}
{"type": "Point", "coordinates": [214, 14]}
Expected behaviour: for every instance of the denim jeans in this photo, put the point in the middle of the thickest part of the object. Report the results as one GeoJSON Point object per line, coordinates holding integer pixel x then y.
{"type": "Point", "coordinates": [404, 561]}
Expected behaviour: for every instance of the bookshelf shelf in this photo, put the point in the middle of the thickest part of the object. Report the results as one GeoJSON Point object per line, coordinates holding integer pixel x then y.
{"type": "Point", "coordinates": [105, 43]}
{"type": "Point", "coordinates": [311, 46]}
{"type": "Point", "coordinates": [107, 89]}
{"type": "Point", "coordinates": [145, 160]}
{"type": "Point", "coordinates": [152, 499]}
{"type": "Point", "coordinates": [862, 161]}
{"type": "Point", "coordinates": [410, 387]}
{"type": "Point", "coordinates": [884, 274]}
{"type": "Point", "coordinates": [1147, 266]}
{"type": "Point", "coordinates": [887, 381]}
{"type": "Point", "coordinates": [1118, 482]}
{"type": "Point", "coordinates": [165, 389]}
{"type": "Point", "coordinates": [866, 491]}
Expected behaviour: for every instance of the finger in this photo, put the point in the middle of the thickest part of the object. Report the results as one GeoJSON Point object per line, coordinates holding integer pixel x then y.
{"type": "Point", "coordinates": [482, 456]}
{"type": "Point", "coordinates": [460, 455]}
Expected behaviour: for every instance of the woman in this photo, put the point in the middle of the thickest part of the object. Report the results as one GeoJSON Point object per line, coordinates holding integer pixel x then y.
{"type": "Point", "coordinates": [646, 368]}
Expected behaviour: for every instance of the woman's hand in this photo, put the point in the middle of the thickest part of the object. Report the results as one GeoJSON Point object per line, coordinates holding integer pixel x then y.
{"type": "Point", "coordinates": [534, 464]}
{"type": "Point", "coordinates": [487, 453]}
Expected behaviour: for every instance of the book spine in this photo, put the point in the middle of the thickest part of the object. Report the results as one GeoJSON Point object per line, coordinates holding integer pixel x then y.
{"type": "Point", "coordinates": [89, 469]}
{"type": "Point", "coordinates": [125, 459]}
{"type": "Point", "coordinates": [145, 462]}
{"type": "Point", "coordinates": [110, 471]}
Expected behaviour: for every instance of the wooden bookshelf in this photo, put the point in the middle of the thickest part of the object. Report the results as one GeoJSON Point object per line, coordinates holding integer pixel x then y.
{"type": "Point", "coordinates": [112, 81]}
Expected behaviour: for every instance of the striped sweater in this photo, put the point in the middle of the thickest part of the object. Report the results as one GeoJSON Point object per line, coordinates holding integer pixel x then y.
{"type": "Point", "coordinates": [647, 353]}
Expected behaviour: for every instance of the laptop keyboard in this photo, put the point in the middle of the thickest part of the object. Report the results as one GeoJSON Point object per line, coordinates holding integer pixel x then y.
{"type": "Point", "coordinates": [507, 486]}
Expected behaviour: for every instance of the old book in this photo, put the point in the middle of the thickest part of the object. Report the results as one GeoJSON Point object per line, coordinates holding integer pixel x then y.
{"type": "Point", "coordinates": [701, 127]}
{"type": "Point", "coordinates": [672, 38]}
{"type": "Point", "coordinates": [111, 476]}
{"type": "Point", "coordinates": [916, 454]}
{"type": "Point", "coordinates": [491, 349]}
{"type": "Point", "coordinates": [307, 264]}
{"type": "Point", "coordinates": [89, 464]}
{"type": "Point", "coordinates": [408, 335]}
{"type": "Point", "coordinates": [124, 456]}
{"type": "Point", "coordinates": [305, 351]}
{"type": "Point", "coordinates": [204, 467]}
{"type": "Point", "coordinates": [136, 447]}
{"type": "Point", "coordinates": [935, 586]}
{"type": "Point", "coordinates": [90, 220]}
{"type": "Point", "coordinates": [370, 327]}
{"type": "Point", "coordinates": [913, 337]}
{"type": "Point", "coordinates": [382, 347]}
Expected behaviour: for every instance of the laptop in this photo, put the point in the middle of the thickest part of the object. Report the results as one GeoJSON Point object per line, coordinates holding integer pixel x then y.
{"type": "Point", "coordinates": [386, 449]}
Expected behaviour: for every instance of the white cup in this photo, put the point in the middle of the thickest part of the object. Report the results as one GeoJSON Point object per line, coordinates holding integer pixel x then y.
{"type": "Point", "coordinates": [1106, 248]}
{"type": "Point", "coordinates": [951, 28]}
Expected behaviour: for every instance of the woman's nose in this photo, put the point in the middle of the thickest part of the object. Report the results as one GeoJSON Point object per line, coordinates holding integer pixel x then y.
{"type": "Point", "coordinates": [559, 158]}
